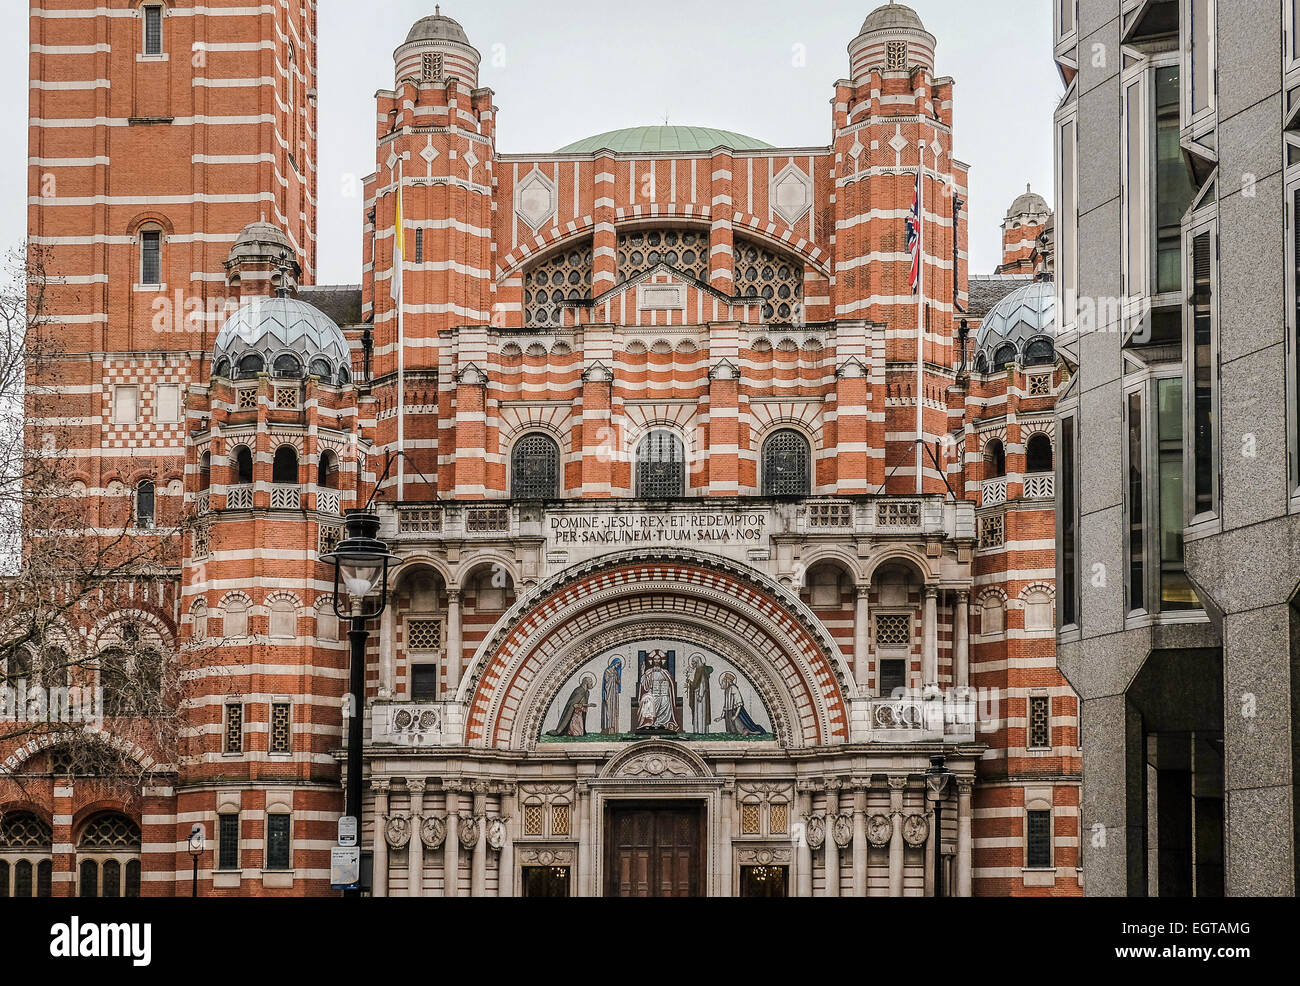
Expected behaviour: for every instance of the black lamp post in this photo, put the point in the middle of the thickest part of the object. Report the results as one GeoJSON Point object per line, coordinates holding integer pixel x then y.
{"type": "Point", "coordinates": [936, 789]}
{"type": "Point", "coordinates": [361, 572]}
{"type": "Point", "coordinates": [196, 849]}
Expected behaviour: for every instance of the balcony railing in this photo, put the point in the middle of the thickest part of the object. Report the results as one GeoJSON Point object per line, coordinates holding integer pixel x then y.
{"type": "Point", "coordinates": [286, 497]}
{"type": "Point", "coordinates": [419, 520]}
{"type": "Point", "coordinates": [239, 497]}
{"type": "Point", "coordinates": [898, 513]}
{"type": "Point", "coordinates": [993, 492]}
{"type": "Point", "coordinates": [1040, 486]}
{"type": "Point", "coordinates": [329, 502]}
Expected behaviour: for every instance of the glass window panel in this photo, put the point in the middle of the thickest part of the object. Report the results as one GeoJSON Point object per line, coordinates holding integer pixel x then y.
{"type": "Point", "coordinates": [1136, 537]}
{"type": "Point", "coordinates": [228, 842]}
{"type": "Point", "coordinates": [787, 464]}
{"type": "Point", "coordinates": [1134, 188]}
{"type": "Point", "coordinates": [1203, 389]}
{"type": "Point", "coordinates": [151, 257]}
{"type": "Point", "coordinates": [1174, 188]}
{"type": "Point", "coordinates": [1175, 590]}
{"type": "Point", "coordinates": [535, 468]}
{"type": "Point", "coordinates": [1202, 29]}
{"type": "Point", "coordinates": [278, 854]}
{"type": "Point", "coordinates": [1039, 850]}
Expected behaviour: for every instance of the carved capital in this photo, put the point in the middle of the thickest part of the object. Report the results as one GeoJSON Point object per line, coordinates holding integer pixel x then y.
{"type": "Point", "coordinates": [380, 785]}
{"type": "Point", "coordinates": [415, 786]}
{"type": "Point", "coordinates": [898, 783]}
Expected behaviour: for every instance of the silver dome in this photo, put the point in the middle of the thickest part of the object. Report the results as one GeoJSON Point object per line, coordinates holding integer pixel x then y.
{"type": "Point", "coordinates": [892, 17]}
{"type": "Point", "coordinates": [284, 337]}
{"type": "Point", "coordinates": [437, 27]}
{"type": "Point", "coordinates": [1025, 321]}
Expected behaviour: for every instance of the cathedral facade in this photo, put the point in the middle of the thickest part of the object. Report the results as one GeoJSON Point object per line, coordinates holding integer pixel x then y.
{"type": "Point", "coordinates": [722, 494]}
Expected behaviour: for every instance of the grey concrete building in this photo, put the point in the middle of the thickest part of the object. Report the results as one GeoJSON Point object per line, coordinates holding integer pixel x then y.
{"type": "Point", "coordinates": [1178, 212]}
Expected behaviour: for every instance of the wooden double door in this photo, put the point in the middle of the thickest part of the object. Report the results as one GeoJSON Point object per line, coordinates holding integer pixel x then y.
{"type": "Point", "coordinates": [654, 850]}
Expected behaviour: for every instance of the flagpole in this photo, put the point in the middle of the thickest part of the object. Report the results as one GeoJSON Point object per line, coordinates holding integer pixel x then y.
{"type": "Point", "coordinates": [399, 258]}
{"type": "Point", "coordinates": [920, 314]}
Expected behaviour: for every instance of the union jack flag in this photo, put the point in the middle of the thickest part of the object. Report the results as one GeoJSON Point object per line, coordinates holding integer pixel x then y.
{"type": "Point", "coordinates": [914, 235]}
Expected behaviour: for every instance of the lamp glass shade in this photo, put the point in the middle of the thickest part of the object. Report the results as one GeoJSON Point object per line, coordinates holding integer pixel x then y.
{"type": "Point", "coordinates": [360, 577]}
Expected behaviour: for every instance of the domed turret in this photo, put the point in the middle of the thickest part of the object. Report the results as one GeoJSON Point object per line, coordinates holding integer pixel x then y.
{"type": "Point", "coordinates": [1029, 206]}
{"type": "Point", "coordinates": [437, 48]}
{"type": "Point", "coordinates": [284, 337]}
{"type": "Point", "coordinates": [892, 39]}
{"type": "Point", "coordinates": [262, 252]}
{"type": "Point", "coordinates": [1018, 329]}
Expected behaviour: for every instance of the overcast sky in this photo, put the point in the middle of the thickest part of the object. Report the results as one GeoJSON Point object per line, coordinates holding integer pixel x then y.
{"type": "Point", "coordinates": [570, 68]}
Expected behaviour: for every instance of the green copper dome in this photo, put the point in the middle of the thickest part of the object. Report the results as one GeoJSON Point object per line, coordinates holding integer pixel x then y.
{"type": "Point", "coordinates": [648, 140]}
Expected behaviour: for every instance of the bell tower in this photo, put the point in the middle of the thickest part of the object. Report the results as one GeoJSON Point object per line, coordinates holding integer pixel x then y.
{"type": "Point", "coordinates": [436, 142]}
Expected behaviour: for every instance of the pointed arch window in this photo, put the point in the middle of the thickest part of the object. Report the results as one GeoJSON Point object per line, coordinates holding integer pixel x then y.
{"type": "Point", "coordinates": [535, 468]}
{"type": "Point", "coordinates": [787, 464]}
{"type": "Point", "coordinates": [661, 466]}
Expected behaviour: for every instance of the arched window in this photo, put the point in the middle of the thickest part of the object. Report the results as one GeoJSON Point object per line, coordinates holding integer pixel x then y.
{"type": "Point", "coordinates": [660, 466]}
{"type": "Point", "coordinates": [199, 626]}
{"type": "Point", "coordinates": [1004, 356]}
{"type": "Point", "coordinates": [321, 368]}
{"type": "Point", "coordinates": [345, 375]}
{"type": "Point", "coordinates": [288, 365]}
{"type": "Point", "coordinates": [115, 682]}
{"type": "Point", "coordinates": [1038, 454]}
{"type": "Point", "coordinates": [995, 459]}
{"type": "Point", "coordinates": [243, 465]}
{"type": "Point", "coordinates": [327, 472]}
{"type": "Point", "coordinates": [222, 369]}
{"type": "Point", "coordinates": [144, 505]}
{"type": "Point", "coordinates": [18, 668]}
{"type": "Point", "coordinates": [251, 365]}
{"type": "Point", "coordinates": [787, 464]}
{"type": "Point", "coordinates": [284, 618]}
{"type": "Point", "coordinates": [235, 619]}
{"type": "Point", "coordinates": [284, 468]}
{"type": "Point", "coordinates": [992, 615]}
{"type": "Point", "coordinates": [109, 846]}
{"type": "Point", "coordinates": [981, 363]}
{"type": "Point", "coordinates": [151, 256]}
{"type": "Point", "coordinates": [1039, 352]}
{"type": "Point", "coordinates": [205, 471]}
{"type": "Point", "coordinates": [535, 468]}
{"type": "Point", "coordinates": [25, 845]}
{"type": "Point", "coordinates": [54, 667]}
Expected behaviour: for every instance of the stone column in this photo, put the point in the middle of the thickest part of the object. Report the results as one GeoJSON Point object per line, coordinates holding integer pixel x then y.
{"type": "Point", "coordinates": [860, 838]}
{"type": "Point", "coordinates": [861, 638]}
{"type": "Point", "coordinates": [415, 848]}
{"type": "Point", "coordinates": [930, 638]}
{"type": "Point", "coordinates": [832, 857]}
{"type": "Point", "coordinates": [451, 846]}
{"type": "Point", "coordinates": [582, 805]}
{"type": "Point", "coordinates": [725, 832]}
{"type": "Point", "coordinates": [387, 652]}
{"type": "Point", "coordinates": [380, 847]}
{"type": "Point", "coordinates": [932, 845]}
{"type": "Point", "coordinates": [506, 863]}
{"type": "Point", "coordinates": [453, 641]}
{"type": "Point", "coordinates": [961, 640]}
{"type": "Point", "coordinates": [478, 862]}
{"type": "Point", "coordinates": [963, 878]}
{"type": "Point", "coordinates": [803, 858]}
{"type": "Point", "coordinates": [896, 788]}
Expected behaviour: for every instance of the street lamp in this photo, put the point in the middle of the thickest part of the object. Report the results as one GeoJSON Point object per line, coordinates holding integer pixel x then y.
{"type": "Point", "coordinates": [936, 789]}
{"type": "Point", "coordinates": [196, 849]}
{"type": "Point", "coordinates": [360, 563]}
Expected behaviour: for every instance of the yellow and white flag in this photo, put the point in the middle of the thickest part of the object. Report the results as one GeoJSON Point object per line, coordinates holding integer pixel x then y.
{"type": "Point", "coordinates": [399, 250]}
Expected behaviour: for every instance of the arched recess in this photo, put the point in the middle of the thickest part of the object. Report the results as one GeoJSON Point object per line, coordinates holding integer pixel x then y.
{"type": "Point", "coordinates": [750, 619]}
